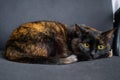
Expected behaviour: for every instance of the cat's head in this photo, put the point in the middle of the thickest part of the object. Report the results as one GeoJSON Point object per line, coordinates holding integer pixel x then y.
{"type": "Point", "coordinates": [90, 43]}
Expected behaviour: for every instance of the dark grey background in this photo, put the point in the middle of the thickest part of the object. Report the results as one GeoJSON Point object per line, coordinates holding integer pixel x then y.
{"type": "Point", "coordinates": [96, 13]}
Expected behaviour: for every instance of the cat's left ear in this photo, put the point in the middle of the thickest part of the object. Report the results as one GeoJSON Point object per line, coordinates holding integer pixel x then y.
{"type": "Point", "coordinates": [78, 29]}
{"type": "Point", "coordinates": [108, 34]}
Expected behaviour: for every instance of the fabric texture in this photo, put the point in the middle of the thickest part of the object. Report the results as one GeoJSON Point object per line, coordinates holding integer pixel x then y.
{"type": "Point", "coordinates": [102, 69]}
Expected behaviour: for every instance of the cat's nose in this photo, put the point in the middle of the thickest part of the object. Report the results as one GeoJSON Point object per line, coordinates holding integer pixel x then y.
{"type": "Point", "coordinates": [93, 54]}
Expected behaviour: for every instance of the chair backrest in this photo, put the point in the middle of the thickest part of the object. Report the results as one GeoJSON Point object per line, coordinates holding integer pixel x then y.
{"type": "Point", "coordinates": [96, 13]}
{"type": "Point", "coordinates": [116, 40]}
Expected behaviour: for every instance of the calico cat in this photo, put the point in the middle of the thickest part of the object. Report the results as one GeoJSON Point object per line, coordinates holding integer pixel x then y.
{"type": "Point", "coordinates": [40, 42]}
{"type": "Point", "coordinates": [91, 44]}
{"type": "Point", "coordinates": [55, 43]}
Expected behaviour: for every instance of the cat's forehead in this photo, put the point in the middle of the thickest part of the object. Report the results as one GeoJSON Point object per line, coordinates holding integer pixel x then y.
{"type": "Point", "coordinates": [92, 36]}
{"type": "Point", "coordinates": [91, 31]}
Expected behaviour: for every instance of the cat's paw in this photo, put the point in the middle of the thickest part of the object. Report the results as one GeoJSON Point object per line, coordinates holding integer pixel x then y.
{"type": "Point", "coordinates": [69, 59]}
{"type": "Point", "coordinates": [110, 53]}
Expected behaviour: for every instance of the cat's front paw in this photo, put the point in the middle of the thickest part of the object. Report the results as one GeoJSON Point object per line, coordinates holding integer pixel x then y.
{"type": "Point", "coordinates": [69, 59]}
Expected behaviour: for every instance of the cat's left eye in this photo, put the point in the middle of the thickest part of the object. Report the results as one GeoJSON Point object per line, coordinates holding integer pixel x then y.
{"type": "Point", "coordinates": [100, 47]}
{"type": "Point", "coordinates": [86, 45]}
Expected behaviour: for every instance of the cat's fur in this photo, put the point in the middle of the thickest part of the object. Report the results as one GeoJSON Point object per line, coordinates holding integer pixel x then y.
{"type": "Point", "coordinates": [98, 43]}
{"type": "Point", "coordinates": [53, 42]}
{"type": "Point", "coordinates": [40, 41]}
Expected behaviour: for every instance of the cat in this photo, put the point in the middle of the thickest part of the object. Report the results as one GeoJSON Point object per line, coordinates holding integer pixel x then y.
{"type": "Point", "coordinates": [91, 43]}
{"type": "Point", "coordinates": [51, 42]}
{"type": "Point", "coordinates": [40, 42]}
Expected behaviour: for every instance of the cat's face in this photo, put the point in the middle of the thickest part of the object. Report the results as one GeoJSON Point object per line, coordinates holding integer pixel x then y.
{"type": "Point", "coordinates": [91, 43]}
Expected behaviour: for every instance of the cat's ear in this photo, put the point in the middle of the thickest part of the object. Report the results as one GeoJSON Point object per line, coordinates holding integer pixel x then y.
{"type": "Point", "coordinates": [108, 34]}
{"type": "Point", "coordinates": [78, 29]}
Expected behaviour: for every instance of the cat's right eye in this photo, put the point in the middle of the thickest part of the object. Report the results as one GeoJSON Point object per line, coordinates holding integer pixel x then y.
{"type": "Point", "coordinates": [86, 45]}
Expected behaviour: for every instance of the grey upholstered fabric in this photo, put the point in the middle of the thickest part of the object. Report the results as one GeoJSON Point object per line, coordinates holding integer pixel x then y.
{"type": "Point", "coordinates": [102, 69]}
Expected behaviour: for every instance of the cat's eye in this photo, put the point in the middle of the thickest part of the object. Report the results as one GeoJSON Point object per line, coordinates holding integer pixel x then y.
{"type": "Point", "coordinates": [86, 45]}
{"type": "Point", "coordinates": [100, 47]}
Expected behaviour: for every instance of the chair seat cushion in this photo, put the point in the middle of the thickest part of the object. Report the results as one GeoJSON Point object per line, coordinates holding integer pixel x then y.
{"type": "Point", "coordinates": [102, 69]}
